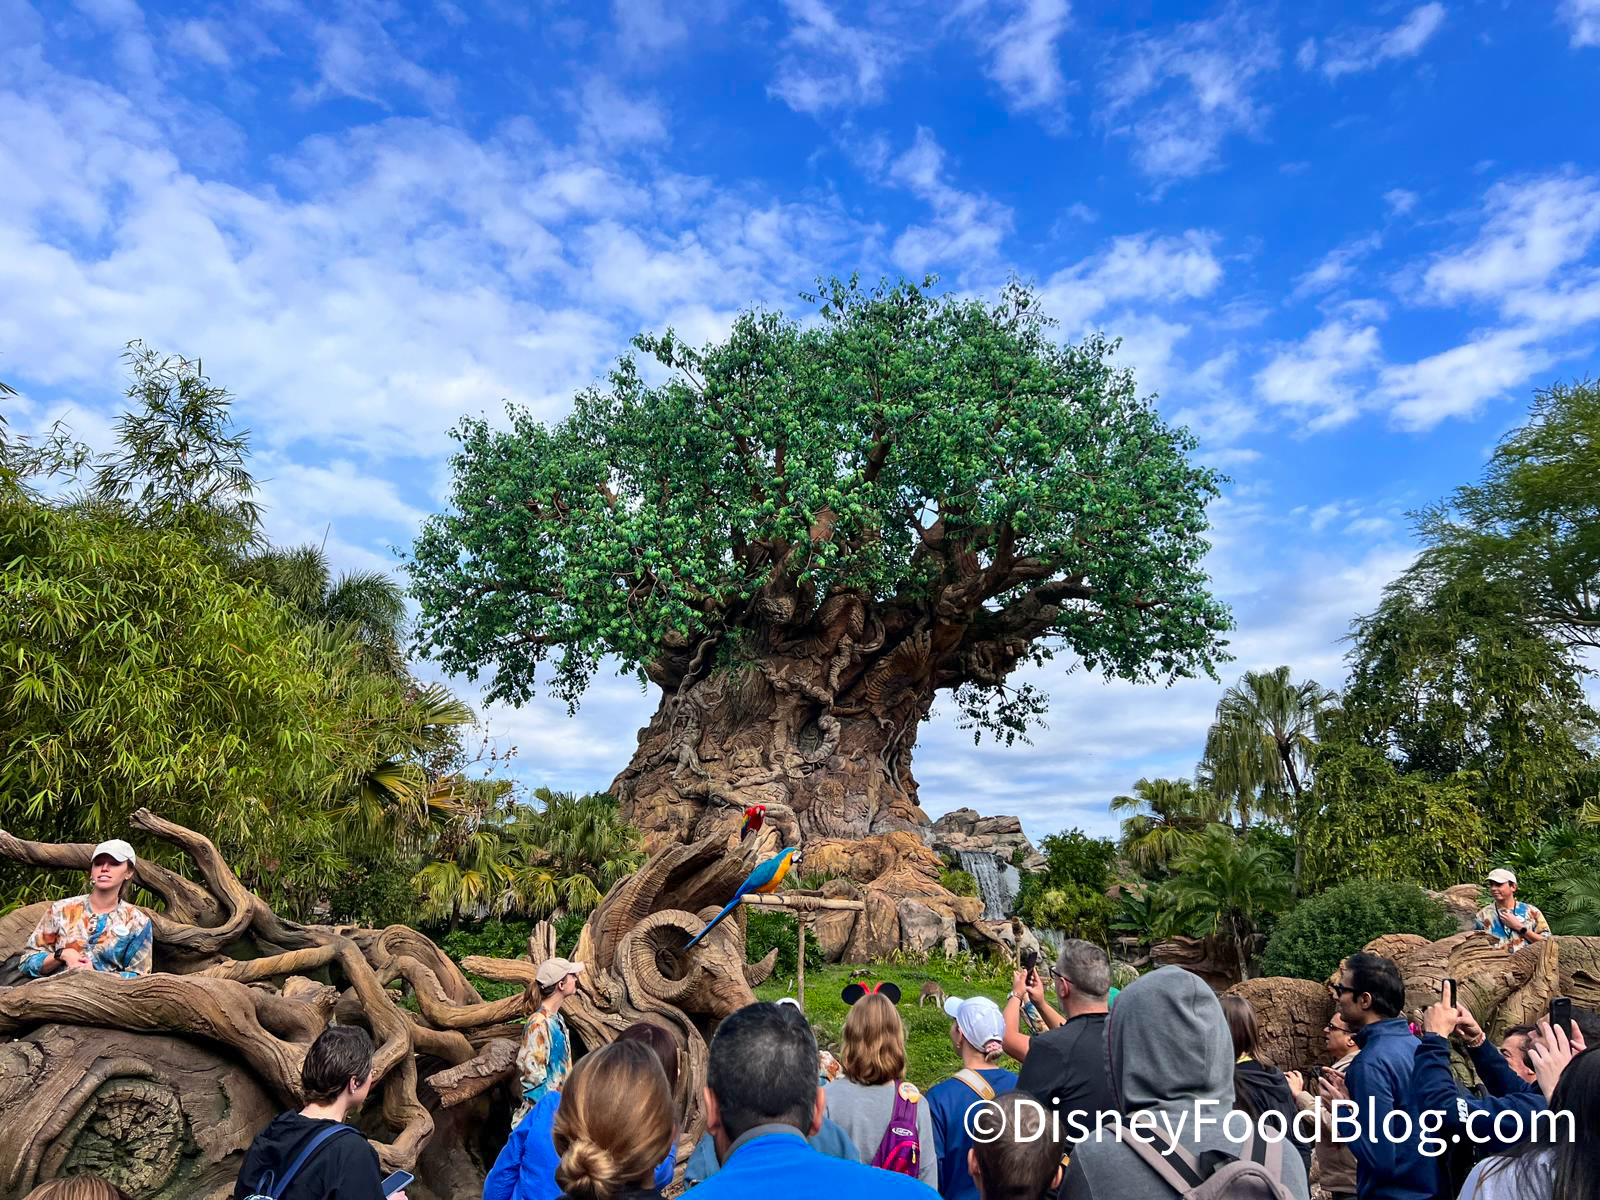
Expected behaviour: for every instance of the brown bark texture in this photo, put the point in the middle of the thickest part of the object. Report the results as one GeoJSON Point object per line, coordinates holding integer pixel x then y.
{"type": "Point", "coordinates": [160, 1083]}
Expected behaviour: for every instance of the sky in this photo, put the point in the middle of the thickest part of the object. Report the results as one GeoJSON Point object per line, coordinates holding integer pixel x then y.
{"type": "Point", "coordinates": [1342, 243]}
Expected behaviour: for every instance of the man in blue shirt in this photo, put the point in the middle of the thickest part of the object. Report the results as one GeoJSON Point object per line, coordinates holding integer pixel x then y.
{"type": "Point", "coordinates": [762, 1100]}
{"type": "Point", "coordinates": [977, 1029]}
{"type": "Point", "coordinates": [1369, 996]}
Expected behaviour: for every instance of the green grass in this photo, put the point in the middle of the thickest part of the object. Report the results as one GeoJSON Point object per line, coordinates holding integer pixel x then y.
{"type": "Point", "coordinates": [929, 1055]}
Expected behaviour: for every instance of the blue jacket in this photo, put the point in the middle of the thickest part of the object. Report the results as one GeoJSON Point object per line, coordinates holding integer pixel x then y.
{"type": "Point", "coordinates": [775, 1160]}
{"type": "Point", "coordinates": [1435, 1088]}
{"type": "Point", "coordinates": [1380, 1081]}
{"type": "Point", "coordinates": [526, 1168]}
{"type": "Point", "coordinates": [830, 1139]}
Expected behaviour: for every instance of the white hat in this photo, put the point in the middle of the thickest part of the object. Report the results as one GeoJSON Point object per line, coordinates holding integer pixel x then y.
{"type": "Point", "coordinates": [979, 1020]}
{"type": "Point", "coordinates": [553, 970]}
{"type": "Point", "coordinates": [117, 849]}
{"type": "Point", "coordinates": [1501, 875]}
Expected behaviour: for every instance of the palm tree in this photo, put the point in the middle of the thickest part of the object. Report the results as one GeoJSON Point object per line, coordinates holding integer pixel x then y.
{"type": "Point", "coordinates": [368, 605]}
{"type": "Point", "coordinates": [571, 851]}
{"type": "Point", "coordinates": [1261, 748]}
{"type": "Point", "coordinates": [1167, 815]}
{"type": "Point", "coordinates": [1230, 885]}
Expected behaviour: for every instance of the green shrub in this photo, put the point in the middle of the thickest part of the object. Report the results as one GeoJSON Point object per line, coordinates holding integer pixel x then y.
{"type": "Point", "coordinates": [958, 882]}
{"type": "Point", "coordinates": [1322, 930]}
{"type": "Point", "coordinates": [764, 930]}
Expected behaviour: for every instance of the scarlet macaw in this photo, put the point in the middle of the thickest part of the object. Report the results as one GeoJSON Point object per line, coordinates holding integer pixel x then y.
{"type": "Point", "coordinates": [753, 816]}
{"type": "Point", "coordinates": [762, 881]}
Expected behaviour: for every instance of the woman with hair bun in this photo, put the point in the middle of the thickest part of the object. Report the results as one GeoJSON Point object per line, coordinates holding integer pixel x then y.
{"type": "Point", "coordinates": [614, 1125]}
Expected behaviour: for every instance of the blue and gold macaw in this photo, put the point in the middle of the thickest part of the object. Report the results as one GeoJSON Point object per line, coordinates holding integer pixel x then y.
{"type": "Point", "coordinates": [763, 881]}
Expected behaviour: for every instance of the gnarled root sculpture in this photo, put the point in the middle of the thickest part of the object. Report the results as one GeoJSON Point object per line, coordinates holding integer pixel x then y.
{"type": "Point", "coordinates": [160, 1083]}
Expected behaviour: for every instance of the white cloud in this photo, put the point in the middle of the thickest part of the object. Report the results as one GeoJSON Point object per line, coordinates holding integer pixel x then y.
{"type": "Point", "coordinates": [1181, 95]}
{"type": "Point", "coordinates": [1532, 230]}
{"type": "Point", "coordinates": [829, 64]}
{"type": "Point", "coordinates": [967, 227]}
{"type": "Point", "coordinates": [358, 57]}
{"type": "Point", "coordinates": [1583, 18]}
{"type": "Point", "coordinates": [1337, 266]}
{"type": "Point", "coordinates": [1134, 267]}
{"type": "Point", "coordinates": [613, 119]}
{"type": "Point", "coordinates": [649, 26]}
{"type": "Point", "coordinates": [202, 40]}
{"type": "Point", "coordinates": [1455, 382]}
{"type": "Point", "coordinates": [1353, 51]}
{"type": "Point", "coordinates": [1400, 201]}
{"type": "Point", "coordinates": [1024, 58]}
{"type": "Point", "coordinates": [1315, 379]}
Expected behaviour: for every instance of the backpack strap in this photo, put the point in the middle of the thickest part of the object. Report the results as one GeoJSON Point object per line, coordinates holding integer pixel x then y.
{"type": "Point", "coordinates": [1266, 1153]}
{"type": "Point", "coordinates": [1177, 1167]}
{"type": "Point", "coordinates": [976, 1082]}
{"type": "Point", "coordinates": [276, 1193]}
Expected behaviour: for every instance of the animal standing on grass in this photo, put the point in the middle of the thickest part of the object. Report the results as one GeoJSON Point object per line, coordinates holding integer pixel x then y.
{"type": "Point", "coordinates": [763, 881]}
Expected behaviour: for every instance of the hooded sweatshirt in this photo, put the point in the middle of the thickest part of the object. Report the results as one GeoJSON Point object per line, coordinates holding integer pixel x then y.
{"type": "Point", "coordinates": [1169, 1051]}
{"type": "Point", "coordinates": [344, 1167]}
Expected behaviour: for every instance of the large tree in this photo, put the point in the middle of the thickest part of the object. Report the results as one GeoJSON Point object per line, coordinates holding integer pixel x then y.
{"type": "Point", "coordinates": [803, 533]}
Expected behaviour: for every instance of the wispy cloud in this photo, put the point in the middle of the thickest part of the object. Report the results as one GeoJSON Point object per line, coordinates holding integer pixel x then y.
{"type": "Point", "coordinates": [1318, 380]}
{"type": "Point", "coordinates": [827, 63]}
{"type": "Point", "coordinates": [1336, 267]}
{"type": "Point", "coordinates": [1024, 56]}
{"type": "Point", "coordinates": [1583, 20]}
{"type": "Point", "coordinates": [1180, 95]}
{"type": "Point", "coordinates": [1352, 51]}
{"type": "Point", "coordinates": [967, 227]}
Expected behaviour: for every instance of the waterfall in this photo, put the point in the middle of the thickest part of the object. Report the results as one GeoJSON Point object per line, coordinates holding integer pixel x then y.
{"type": "Point", "coordinates": [994, 884]}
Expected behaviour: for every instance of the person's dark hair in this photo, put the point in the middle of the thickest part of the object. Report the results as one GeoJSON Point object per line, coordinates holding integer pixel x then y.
{"type": "Point", "coordinates": [340, 1053]}
{"type": "Point", "coordinates": [763, 1070]}
{"type": "Point", "coordinates": [615, 1123]}
{"type": "Point", "coordinates": [1576, 1158]}
{"type": "Point", "coordinates": [1022, 1158]}
{"type": "Point", "coordinates": [1378, 976]}
{"type": "Point", "coordinates": [1241, 1017]}
{"type": "Point", "coordinates": [1518, 1031]}
{"type": "Point", "coordinates": [1586, 1021]}
{"type": "Point", "coordinates": [659, 1040]}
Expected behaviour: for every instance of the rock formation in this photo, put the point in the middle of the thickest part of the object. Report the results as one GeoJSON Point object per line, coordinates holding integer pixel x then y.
{"type": "Point", "coordinates": [962, 830]}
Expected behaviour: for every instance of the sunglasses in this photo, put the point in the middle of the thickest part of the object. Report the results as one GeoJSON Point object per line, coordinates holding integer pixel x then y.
{"type": "Point", "coordinates": [1339, 989]}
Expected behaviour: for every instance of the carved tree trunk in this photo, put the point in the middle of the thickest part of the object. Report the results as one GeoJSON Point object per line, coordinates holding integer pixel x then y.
{"type": "Point", "coordinates": [819, 727]}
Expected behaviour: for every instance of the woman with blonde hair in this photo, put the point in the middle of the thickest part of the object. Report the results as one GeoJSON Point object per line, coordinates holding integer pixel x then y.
{"type": "Point", "coordinates": [863, 1101]}
{"type": "Point", "coordinates": [614, 1125]}
{"type": "Point", "coordinates": [77, 1187]}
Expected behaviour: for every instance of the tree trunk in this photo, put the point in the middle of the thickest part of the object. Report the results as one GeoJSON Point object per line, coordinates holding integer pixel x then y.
{"type": "Point", "coordinates": [821, 733]}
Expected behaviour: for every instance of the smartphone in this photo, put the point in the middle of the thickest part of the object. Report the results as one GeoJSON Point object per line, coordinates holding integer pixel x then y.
{"type": "Point", "coordinates": [1561, 1015]}
{"type": "Point", "coordinates": [397, 1182]}
{"type": "Point", "coordinates": [1450, 993]}
{"type": "Point", "coordinates": [1313, 1075]}
{"type": "Point", "coordinates": [1030, 961]}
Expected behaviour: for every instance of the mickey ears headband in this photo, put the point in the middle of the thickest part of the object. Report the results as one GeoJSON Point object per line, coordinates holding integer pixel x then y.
{"type": "Point", "coordinates": [854, 991]}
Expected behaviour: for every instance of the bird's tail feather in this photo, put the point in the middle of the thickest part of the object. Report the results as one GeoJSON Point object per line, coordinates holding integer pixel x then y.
{"type": "Point", "coordinates": [713, 923]}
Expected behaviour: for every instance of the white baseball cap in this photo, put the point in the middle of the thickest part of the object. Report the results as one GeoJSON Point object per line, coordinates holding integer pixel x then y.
{"type": "Point", "coordinates": [117, 849]}
{"type": "Point", "coordinates": [979, 1020]}
{"type": "Point", "coordinates": [1501, 875]}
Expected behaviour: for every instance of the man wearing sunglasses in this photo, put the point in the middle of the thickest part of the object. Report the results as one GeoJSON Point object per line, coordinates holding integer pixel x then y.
{"type": "Point", "coordinates": [1368, 996]}
{"type": "Point", "coordinates": [1066, 1067]}
{"type": "Point", "coordinates": [1337, 1164]}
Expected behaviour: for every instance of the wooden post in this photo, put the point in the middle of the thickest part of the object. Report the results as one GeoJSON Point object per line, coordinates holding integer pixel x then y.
{"type": "Point", "coordinates": [800, 963]}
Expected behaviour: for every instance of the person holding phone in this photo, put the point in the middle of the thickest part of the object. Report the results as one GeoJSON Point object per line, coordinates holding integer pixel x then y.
{"type": "Point", "coordinates": [1511, 922]}
{"type": "Point", "coordinates": [312, 1154]}
{"type": "Point", "coordinates": [1337, 1166]}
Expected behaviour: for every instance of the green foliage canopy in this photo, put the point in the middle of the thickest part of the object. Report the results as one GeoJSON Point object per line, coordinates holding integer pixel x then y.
{"type": "Point", "coordinates": [943, 458]}
{"type": "Point", "coordinates": [1320, 931]}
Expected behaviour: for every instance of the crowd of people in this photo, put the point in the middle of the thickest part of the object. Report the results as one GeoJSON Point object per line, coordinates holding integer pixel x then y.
{"type": "Point", "coordinates": [1167, 1092]}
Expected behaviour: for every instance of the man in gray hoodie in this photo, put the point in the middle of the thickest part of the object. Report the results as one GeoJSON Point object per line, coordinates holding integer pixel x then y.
{"type": "Point", "coordinates": [1169, 1049]}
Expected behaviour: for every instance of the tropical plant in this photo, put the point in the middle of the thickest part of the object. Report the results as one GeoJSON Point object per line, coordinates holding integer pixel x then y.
{"type": "Point", "coordinates": [1261, 748]}
{"type": "Point", "coordinates": [906, 496]}
{"type": "Point", "coordinates": [365, 606]}
{"type": "Point", "coordinates": [1069, 894]}
{"type": "Point", "coordinates": [1168, 815]}
{"type": "Point", "coordinates": [1230, 886]}
{"type": "Point", "coordinates": [1322, 930]}
{"type": "Point", "coordinates": [570, 851]}
{"type": "Point", "coordinates": [958, 882]}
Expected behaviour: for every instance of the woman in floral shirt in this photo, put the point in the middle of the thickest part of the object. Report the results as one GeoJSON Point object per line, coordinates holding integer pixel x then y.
{"type": "Point", "coordinates": [99, 931]}
{"type": "Point", "coordinates": [545, 1059]}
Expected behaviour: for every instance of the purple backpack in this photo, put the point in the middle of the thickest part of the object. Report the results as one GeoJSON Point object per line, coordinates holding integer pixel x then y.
{"type": "Point", "coordinates": [900, 1150]}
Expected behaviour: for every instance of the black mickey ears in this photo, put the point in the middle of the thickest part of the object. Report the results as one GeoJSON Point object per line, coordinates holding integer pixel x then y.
{"type": "Point", "coordinates": [854, 991]}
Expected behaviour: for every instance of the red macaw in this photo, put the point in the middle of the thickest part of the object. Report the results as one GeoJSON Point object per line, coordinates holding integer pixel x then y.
{"type": "Point", "coordinates": [753, 816]}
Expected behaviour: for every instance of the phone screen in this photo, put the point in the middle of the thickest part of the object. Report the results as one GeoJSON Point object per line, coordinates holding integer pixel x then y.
{"type": "Point", "coordinates": [398, 1181]}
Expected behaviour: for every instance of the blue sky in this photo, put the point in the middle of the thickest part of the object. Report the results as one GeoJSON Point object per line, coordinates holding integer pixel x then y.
{"type": "Point", "coordinates": [1342, 242]}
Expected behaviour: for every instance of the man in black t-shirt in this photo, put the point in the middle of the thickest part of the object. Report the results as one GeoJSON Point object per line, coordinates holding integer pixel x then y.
{"type": "Point", "coordinates": [1066, 1066]}
{"type": "Point", "coordinates": [335, 1079]}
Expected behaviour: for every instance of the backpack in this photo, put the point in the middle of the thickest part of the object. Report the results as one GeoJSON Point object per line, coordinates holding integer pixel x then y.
{"type": "Point", "coordinates": [265, 1189]}
{"type": "Point", "coordinates": [1257, 1174]}
{"type": "Point", "coordinates": [900, 1150]}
